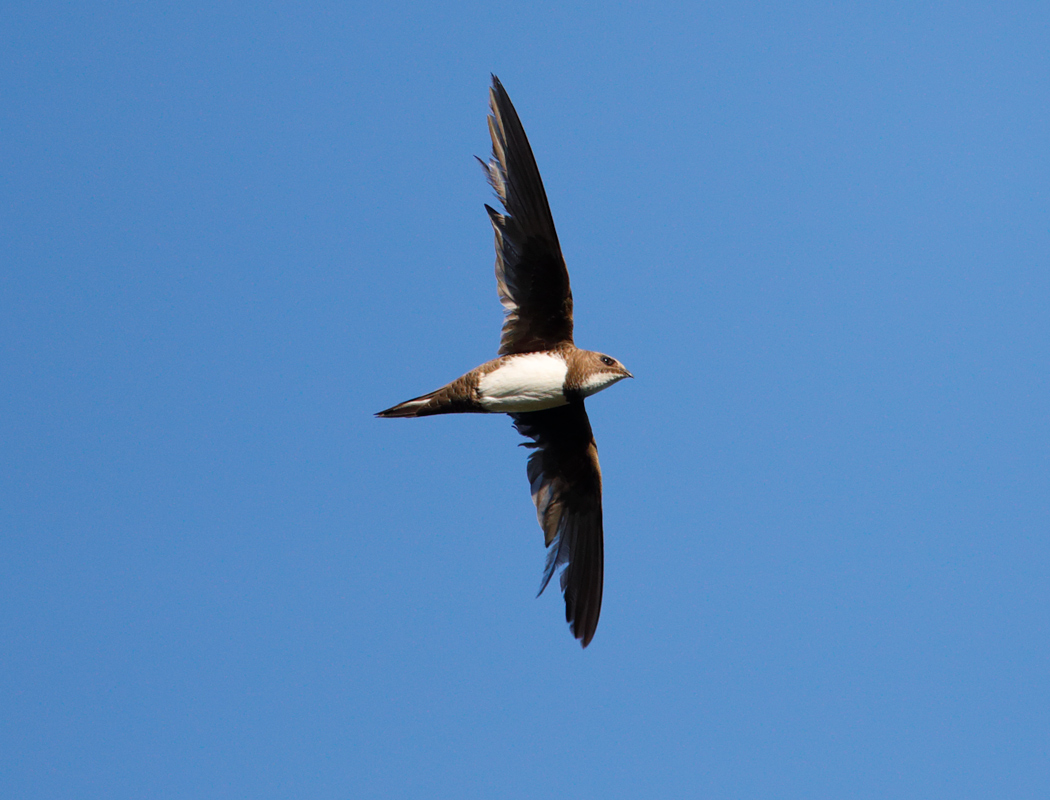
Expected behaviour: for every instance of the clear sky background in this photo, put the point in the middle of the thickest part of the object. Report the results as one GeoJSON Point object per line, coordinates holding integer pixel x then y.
{"type": "Point", "coordinates": [818, 234]}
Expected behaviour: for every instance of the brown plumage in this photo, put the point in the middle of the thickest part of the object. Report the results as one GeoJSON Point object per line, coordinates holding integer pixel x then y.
{"type": "Point", "coordinates": [566, 484]}
{"type": "Point", "coordinates": [457, 397]}
{"type": "Point", "coordinates": [540, 377]}
{"type": "Point", "coordinates": [531, 276]}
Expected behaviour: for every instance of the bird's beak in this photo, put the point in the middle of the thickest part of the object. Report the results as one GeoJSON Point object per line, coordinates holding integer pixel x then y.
{"type": "Point", "coordinates": [627, 374]}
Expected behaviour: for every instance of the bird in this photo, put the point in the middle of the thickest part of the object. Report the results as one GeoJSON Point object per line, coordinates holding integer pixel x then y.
{"type": "Point", "coordinates": [539, 377]}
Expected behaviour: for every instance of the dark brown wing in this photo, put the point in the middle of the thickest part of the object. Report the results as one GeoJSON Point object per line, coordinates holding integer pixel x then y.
{"type": "Point", "coordinates": [531, 276]}
{"type": "Point", "coordinates": [567, 489]}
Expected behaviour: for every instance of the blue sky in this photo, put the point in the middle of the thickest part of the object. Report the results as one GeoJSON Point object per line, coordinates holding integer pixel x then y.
{"type": "Point", "coordinates": [817, 234]}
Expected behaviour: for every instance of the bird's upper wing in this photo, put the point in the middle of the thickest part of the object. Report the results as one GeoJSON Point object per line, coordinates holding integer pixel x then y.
{"type": "Point", "coordinates": [567, 489]}
{"type": "Point", "coordinates": [531, 276]}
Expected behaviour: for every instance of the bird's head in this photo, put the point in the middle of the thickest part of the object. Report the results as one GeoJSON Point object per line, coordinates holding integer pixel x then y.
{"type": "Point", "coordinates": [597, 371]}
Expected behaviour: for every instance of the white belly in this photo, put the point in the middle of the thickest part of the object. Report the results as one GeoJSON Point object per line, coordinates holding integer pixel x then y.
{"type": "Point", "coordinates": [529, 382]}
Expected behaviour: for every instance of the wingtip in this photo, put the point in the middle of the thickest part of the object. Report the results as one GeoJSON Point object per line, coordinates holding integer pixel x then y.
{"type": "Point", "coordinates": [498, 95]}
{"type": "Point", "coordinates": [582, 625]}
{"type": "Point", "coordinates": [586, 635]}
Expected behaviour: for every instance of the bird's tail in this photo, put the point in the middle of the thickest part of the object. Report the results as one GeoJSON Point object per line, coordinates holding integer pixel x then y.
{"type": "Point", "coordinates": [455, 398]}
{"type": "Point", "coordinates": [416, 407]}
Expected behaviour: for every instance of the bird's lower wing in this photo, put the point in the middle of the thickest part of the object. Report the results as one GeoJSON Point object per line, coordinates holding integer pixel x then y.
{"type": "Point", "coordinates": [567, 490]}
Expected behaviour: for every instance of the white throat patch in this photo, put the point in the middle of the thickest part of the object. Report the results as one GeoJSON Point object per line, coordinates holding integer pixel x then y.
{"type": "Point", "coordinates": [529, 382]}
{"type": "Point", "coordinates": [601, 380]}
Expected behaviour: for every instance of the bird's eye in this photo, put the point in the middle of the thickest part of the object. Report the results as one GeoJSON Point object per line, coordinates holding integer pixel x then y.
{"type": "Point", "coordinates": [607, 361]}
